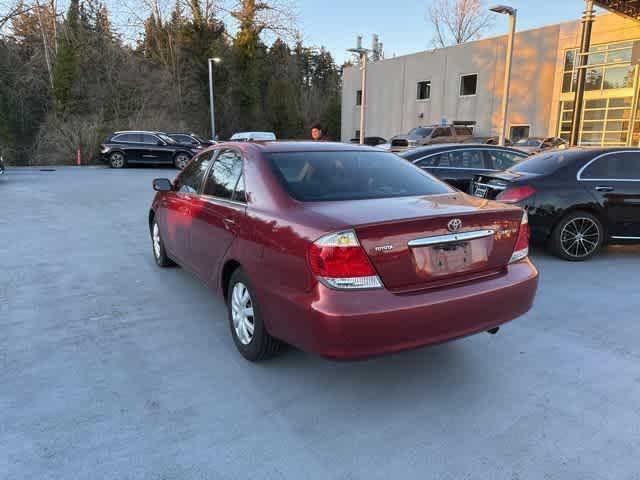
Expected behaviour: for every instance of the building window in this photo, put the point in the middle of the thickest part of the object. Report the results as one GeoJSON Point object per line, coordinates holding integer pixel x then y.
{"type": "Point", "coordinates": [424, 90]}
{"type": "Point", "coordinates": [516, 132]}
{"type": "Point", "coordinates": [605, 122]}
{"type": "Point", "coordinates": [359, 97]}
{"type": "Point", "coordinates": [608, 67]}
{"type": "Point", "coordinates": [468, 84]}
{"type": "Point", "coordinates": [357, 137]}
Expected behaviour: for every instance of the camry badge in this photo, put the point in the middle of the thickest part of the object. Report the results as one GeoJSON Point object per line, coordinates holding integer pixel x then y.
{"type": "Point", "coordinates": [454, 225]}
{"type": "Point", "coordinates": [384, 248]}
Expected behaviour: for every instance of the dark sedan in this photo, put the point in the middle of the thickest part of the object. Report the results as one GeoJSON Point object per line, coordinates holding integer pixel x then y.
{"type": "Point", "coordinates": [578, 199]}
{"type": "Point", "coordinates": [192, 139]}
{"type": "Point", "coordinates": [347, 251]}
{"type": "Point", "coordinates": [457, 164]}
{"type": "Point", "coordinates": [123, 148]}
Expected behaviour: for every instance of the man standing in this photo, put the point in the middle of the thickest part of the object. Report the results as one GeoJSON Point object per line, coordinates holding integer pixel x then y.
{"type": "Point", "coordinates": [317, 135]}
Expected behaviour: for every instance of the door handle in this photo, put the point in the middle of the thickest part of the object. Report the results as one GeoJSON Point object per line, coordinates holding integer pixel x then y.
{"type": "Point", "coordinates": [229, 223]}
{"type": "Point", "coordinates": [604, 189]}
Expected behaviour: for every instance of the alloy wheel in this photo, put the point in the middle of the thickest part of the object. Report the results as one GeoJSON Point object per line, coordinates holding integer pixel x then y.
{"type": "Point", "coordinates": [181, 161]}
{"type": "Point", "coordinates": [580, 237]}
{"type": "Point", "coordinates": [117, 160]}
{"type": "Point", "coordinates": [242, 313]}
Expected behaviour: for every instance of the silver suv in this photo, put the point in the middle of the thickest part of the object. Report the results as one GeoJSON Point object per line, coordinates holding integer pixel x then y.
{"type": "Point", "coordinates": [431, 135]}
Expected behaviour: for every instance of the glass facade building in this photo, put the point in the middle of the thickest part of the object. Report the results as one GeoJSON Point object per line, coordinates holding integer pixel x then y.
{"type": "Point", "coordinates": [610, 99]}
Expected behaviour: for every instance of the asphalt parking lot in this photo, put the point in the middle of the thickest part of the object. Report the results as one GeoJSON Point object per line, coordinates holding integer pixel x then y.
{"type": "Point", "coordinates": [113, 368]}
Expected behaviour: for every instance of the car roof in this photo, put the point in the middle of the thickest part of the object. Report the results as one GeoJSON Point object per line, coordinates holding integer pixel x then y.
{"type": "Point", "coordinates": [271, 146]}
{"type": "Point", "coordinates": [456, 146]}
{"type": "Point", "coordinates": [150, 132]}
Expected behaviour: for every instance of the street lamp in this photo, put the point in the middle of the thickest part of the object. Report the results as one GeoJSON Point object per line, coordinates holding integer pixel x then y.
{"type": "Point", "coordinates": [512, 12]}
{"type": "Point", "coordinates": [213, 120]}
{"type": "Point", "coordinates": [362, 53]}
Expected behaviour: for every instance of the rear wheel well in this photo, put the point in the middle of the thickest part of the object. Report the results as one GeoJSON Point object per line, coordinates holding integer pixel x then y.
{"type": "Point", "coordinates": [227, 271]}
{"type": "Point", "coordinates": [152, 215]}
{"type": "Point", "coordinates": [591, 210]}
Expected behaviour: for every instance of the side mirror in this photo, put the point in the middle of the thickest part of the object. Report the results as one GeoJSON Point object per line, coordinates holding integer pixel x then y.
{"type": "Point", "coordinates": [162, 185]}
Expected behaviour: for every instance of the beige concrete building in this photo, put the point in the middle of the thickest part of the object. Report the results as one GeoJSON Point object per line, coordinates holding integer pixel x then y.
{"type": "Point", "coordinates": [465, 83]}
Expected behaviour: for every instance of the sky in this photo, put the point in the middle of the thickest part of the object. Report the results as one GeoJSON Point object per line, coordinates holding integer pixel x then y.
{"type": "Point", "coordinates": [402, 24]}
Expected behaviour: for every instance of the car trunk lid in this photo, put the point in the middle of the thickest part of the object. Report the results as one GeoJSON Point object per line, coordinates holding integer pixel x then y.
{"type": "Point", "coordinates": [439, 240]}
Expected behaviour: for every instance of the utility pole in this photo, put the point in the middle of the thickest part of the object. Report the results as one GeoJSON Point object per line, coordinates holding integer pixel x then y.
{"type": "Point", "coordinates": [585, 45]}
{"type": "Point", "coordinates": [362, 53]}
{"type": "Point", "coordinates": [512, 13]}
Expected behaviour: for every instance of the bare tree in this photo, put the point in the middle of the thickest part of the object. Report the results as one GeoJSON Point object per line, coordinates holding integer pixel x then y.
{"type": "Point", "coordinates": [458, 21]}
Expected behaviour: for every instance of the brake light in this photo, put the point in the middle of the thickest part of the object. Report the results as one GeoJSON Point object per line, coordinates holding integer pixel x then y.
{"type": "Point", "coordinates": [338, 261]}
{"type": "Point", "coordinates": [521, 249]}
{"type": "Point", "coordinates": [516, 194]}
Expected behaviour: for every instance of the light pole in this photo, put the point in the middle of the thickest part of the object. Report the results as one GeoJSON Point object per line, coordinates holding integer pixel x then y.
{"type": "Point", "coordinates": [362, 53]}
{"type": "Point", "coordinates": [211, 103]}
{"type": "Point", "coordinates": [512, 12]}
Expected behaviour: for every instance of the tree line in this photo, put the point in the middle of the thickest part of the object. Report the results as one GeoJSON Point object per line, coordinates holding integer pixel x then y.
{"type": "Point", "coordinates": [69, 80]}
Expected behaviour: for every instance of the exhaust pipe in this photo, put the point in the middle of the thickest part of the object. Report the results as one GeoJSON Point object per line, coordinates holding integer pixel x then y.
{"type": "Point", "coordinates": [493, 331]}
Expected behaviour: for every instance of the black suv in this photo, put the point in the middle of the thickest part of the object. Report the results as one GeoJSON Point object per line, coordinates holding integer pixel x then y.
{"type": "Point", "coordinates": [122, 148]}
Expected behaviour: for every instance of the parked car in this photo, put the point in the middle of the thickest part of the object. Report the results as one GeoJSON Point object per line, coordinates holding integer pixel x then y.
{"type": "Point", "coordinates": [253, 137]}
{"type": "Point", "coordinates": [343, 250]}
{"type": "Point", "coordinates": [533, 145]}
{"type": "Point", "coordinates": [192, 139]}
{"type": "Point", "coordinates": [457, 164]}
{"type": "Point", "coordinates": [371, 141]}
{"type": "Point", "coordinates": [578, 199]}
{"type": "Point", "coordinates": [123, 148]}
{"type": "Point", "coordinates": [430, 135]}
{"type": "Point", "coordinates": [489, 141]}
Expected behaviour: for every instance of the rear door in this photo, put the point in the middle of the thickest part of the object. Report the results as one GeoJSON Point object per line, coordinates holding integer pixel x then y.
{"type": "Point", "coordinates": [217, 214]}
{"type": "Point", "coordinates": [614, 179]}
{"type": "Point", "coordinates": [442, 135]}
{"type": "Point", "coordinates": [155, 149]}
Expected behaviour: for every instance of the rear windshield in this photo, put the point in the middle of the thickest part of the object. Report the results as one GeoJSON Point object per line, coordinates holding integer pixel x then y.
{"type": "Point", "coordinates": [351, 175]}
{"type": "Point", "coordinates": [545, 163]}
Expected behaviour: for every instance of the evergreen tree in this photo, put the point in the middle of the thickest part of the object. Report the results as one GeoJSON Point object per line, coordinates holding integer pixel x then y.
{"type": "Point", "coordinates": [65, 72]}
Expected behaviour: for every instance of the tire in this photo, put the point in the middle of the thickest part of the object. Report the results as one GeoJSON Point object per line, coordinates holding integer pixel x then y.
{"type": "Point", "coordinates": [180, 160]}
{"type": "Point", "coordinates": [255, 345]}
{"type": "Point", "coordinates": [577, 237]}
{"type": "Point", "coordinates": [157, 247]}
{"type": "Point", "coordinates": [117, 160]}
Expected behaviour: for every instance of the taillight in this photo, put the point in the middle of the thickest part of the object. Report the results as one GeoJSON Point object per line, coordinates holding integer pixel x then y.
{"type": "Point", "coordinates": [521, 250]}
{"type": "Point", "coordinates": [338, 261]}
{"type": "Point", "coordinates": [516, 194]}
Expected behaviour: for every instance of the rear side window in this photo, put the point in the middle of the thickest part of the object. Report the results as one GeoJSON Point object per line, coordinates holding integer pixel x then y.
{"type": "Point", "coordinates": [468, 159]}
{"type": "Point", "coordinates": [150, 139]}
{"type": "Point", "coordinates": [190, 180]}
{"type": "Point", "coordinates": [545, 163]}
{"type": "Point", "coordinates": [502, 160]}
{"type": "Point", "coordinates": [441, 132]}
{"type": "Point", "coordinates": [224, 175]}
{"type": "Point", "coordinates": [618, 166]}
{"type": "Point", "coordinates": [350, 175]}
{"type": "Point", "coordinates": [127, 138]}
{"type": "Point", "coordinates": [463, 131]}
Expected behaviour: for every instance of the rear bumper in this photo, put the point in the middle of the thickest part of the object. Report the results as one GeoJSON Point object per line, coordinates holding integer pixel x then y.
{"type": "Point", "coordinates": [352, 325]}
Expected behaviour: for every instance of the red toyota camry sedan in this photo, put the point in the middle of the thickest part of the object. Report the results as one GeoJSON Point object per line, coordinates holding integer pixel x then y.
{"type": "Point", "coordinates": [346, 251]}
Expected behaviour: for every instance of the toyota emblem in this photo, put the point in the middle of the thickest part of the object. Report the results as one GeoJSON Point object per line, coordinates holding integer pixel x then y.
{"type": "Point", "coordinates": [454, 225]}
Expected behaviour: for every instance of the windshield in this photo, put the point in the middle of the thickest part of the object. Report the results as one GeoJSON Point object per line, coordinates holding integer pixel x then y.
{"type": "Point", "coordinates": [351, 175]}
{"type": "Point", "coordinates": [420, 132]}
{"type": "Point", "coordinates": [529, 142]}
{"type": "Point", "coordinates": [166, 138]}
{"type": "Point", "coordinates": [545, 163]}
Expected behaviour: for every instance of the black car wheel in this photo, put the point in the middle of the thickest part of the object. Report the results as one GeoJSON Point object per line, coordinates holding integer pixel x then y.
{"type": "Point", "coordinates": [247, 328]}
{"type": "Point", "coordinates": [159, 253]}
{"type": "Point", "coordinates": [577, 237]}
{"type": "Point", "coordinates": [116, 160]}
{"type": "Point", "coordinates": [181, 160]}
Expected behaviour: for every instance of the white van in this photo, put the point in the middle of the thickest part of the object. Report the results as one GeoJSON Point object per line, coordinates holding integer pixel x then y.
{"type": "Point", "coordinates": [253, 136]}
